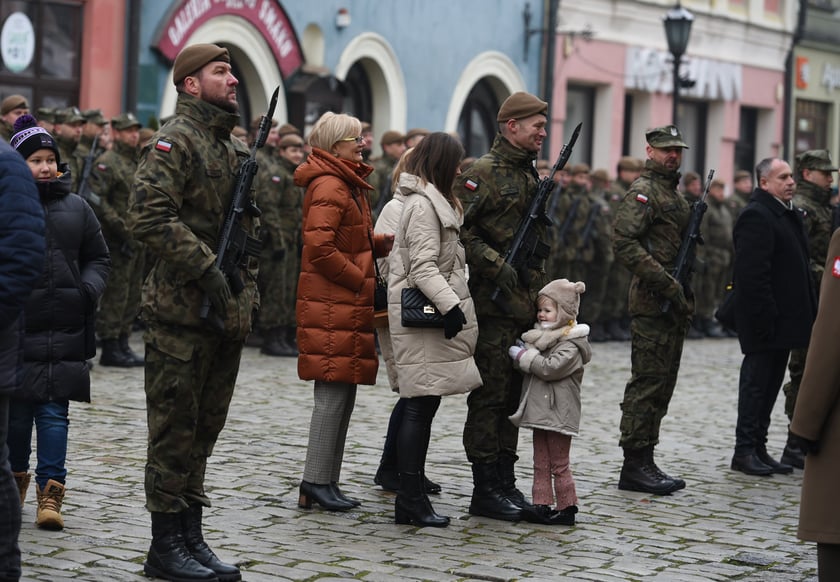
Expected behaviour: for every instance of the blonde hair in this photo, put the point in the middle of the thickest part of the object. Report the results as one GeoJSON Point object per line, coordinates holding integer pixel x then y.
{"type": "Point", "coordinates": [332, 127]}
{"type": "Point", "coordinates": [399, 168]}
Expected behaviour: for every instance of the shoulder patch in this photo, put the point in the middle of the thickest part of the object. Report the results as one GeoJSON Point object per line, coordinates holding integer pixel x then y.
{"type": "Point", "coordinates": [471, 185]}
{"type": "Point", "coordinates": [641, 198]}
{"type": "Point", "coordinates": [835, 268]}
{"type": "Point", "coordinates": [101, 167]}
{"type": "Point", "coordinates": [276, 179]}
{"type": "Point", "coordinates": [163, 146]}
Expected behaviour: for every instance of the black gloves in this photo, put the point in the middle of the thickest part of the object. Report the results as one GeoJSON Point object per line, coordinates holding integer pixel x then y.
{"type": "Point", "coordinates": [507, 280]}
{"type": "Point", "coordinates": [453, 322]}
{"type": "Point", "coordinates": [214, 283]}
{"type": "Point", "coordinates": [808, 446]}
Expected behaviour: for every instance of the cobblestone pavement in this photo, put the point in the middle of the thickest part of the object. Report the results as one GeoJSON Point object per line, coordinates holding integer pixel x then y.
{"type": "Point", "coordinates": [723, 526]}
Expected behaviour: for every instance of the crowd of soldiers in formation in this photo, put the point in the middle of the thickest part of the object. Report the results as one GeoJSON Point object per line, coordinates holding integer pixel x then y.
{"type": "Point", "coordinates": [581, 209]}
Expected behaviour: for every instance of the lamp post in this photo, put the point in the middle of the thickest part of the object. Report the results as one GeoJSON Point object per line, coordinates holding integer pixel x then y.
{"type": "Point", "coordinates": [677, 30]}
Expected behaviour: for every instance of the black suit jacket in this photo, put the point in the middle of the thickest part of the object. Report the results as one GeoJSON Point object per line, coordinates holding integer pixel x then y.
{"type": "Point", "coordinates": [775, 296]}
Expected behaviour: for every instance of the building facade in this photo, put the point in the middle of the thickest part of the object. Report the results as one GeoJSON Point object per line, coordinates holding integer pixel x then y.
{"type": "Point", "coordinates": [615, 74]}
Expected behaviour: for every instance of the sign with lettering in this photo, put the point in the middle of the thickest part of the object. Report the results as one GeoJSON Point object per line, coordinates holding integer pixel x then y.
{"type": "Point", "coordinates": [267, 16]}
{"type": "Point", "coordinates": [17, 42]}
{"type": "Point", "coordinates": [652, 71]}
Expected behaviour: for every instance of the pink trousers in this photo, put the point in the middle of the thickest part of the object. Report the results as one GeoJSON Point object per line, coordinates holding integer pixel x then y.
{"type": "Point", "coordinates": [552, 473]}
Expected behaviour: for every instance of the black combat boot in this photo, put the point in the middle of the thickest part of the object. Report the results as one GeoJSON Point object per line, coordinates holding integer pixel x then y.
{"type": "Point", "coordinates": [793, 454]}
{"type": "Point", "coordinates": [169, 557]}
{"type": "Point", "coordinates": [638, 473]}
{"type": "Point", "coordinates": [412, 505]}
{"type": "Point", "coordinates": [487, 498]}
{"type": "Point", "coordinates": [198, 548]}
{"type": "Point", "coordinates": [112, 355]}
{"type": "Point", "coordinates": [764, 457]}
{"type": "Point", "coordinates": [291, 339]}
{"type": "Point", "coordinates": [130, 355]}
{"type": "Point", "coordinates": [274, 343]}
{"type": "Point", "coordinates": [678, 483]}
{"type": "Point", "coordinates": [507, 481]}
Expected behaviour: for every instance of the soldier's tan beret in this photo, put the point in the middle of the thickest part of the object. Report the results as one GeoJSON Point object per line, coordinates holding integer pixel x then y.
{"type": "Point", "coordinates": [521, 105]}
{"type": "Point", "coordinates": [628, 163]}
{"type": "Point", "coordinates": [287, 129]}
{"type": "Point", "coordinates": [741, 174]}
{"type": "Point", "coordinates": [291, 140]}
{"type": "Point", "coordinates": [390, 137]}
{"type": "Point", "coordinates": [13, 102]}
{"type": "Point", "coordinates": [579, 169]}
{"type": "Point", "coordinates": [195, 56]}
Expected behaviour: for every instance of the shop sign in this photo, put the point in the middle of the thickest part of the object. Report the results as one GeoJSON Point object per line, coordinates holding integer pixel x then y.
{"type": "Point", "coordinates": [17, 42]}
{"type": "Point", "coordinates": [803, 72]}
{"type": "Point", "coordinates": [652, 71]}
{"type": "Point", "coordinates": [831, 77]}
{"type": "Point", "coordinates": [267, 16]}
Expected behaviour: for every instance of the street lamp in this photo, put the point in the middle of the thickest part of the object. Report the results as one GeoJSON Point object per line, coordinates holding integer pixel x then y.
{"type": "Point", "coordinates": [677, 30]}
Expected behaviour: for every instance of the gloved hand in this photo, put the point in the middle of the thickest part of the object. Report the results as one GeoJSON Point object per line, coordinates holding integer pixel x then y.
{"type": "Point", "coordinates": [214, 283]}
{"type": "Point", "coordinates": [515, 352]}
{"type": "Point", "coordinates": [676, 295]}
{"type": "Point", "coordinates": [453, 322]}
{"type": "Point", "coordinates": [507, 280]}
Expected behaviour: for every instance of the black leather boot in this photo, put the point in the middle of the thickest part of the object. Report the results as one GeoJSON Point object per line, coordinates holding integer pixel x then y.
{"type": "Point", "coordinates": [793, 454]}
{"type": "Point", "coordinates": [412, 505]}
{"type": "Point", "coordinates": [130, 355]}
{"type": "Point", "coordinates": [168, 556]}
{"type": "Point", "coordinates": [323, 495]}
{"type": "Point", "coordinates": [678, 483]}
{"type": "Point", "coordinates": [274, 343]}
{"type": "Point", "coordinates": [507, 481]}
{"type": "Point", "coordinates": [291, 339]}
{"type": "Point", "coordinates": [341, 496]}
{"type": "Point", "coordinates": [639, 474]}
{"type": "Point", "coordinates": [198, 548]}
{"type": "Point", "coordinates": [112, 355]}
{"type": "Point", "coordinates": [487, 498]}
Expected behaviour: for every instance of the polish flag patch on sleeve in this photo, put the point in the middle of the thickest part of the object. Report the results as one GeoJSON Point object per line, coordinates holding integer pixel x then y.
{"type": "Point", "coordinates": [641, 198]}
{"type": "Point", "coordinates": [471, 185]}
{"type": "Point", "coordinates": [835, 268]}
{"type": "Point", "coordinates": [275, 179]}
{"type": "Point", "coordinates": [163, 146]}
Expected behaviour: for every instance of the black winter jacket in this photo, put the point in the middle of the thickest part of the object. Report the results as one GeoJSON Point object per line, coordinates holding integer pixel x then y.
{"type": "Point", "coordinates": [58, 310]}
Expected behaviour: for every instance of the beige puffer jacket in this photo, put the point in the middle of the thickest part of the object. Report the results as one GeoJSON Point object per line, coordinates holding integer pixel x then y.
{"type": "Point", "coordinates": [428, 254]}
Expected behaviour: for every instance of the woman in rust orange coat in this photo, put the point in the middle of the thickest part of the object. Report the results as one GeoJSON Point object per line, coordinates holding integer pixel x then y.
{"type": "Point", "coordinates": [334, 308]}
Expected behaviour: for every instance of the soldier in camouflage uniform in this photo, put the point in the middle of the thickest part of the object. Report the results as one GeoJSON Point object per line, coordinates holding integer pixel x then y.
{"type": "Point", "coordinates": [649, 227]}
{"type": "Point", "coordinates": [110, 184]}
{"type": "Point", "coordinates": [93, 127]}
{"type": "Point", "coordinates": [570, 214]}
{"type": "Point", "coordinates": [68, 130]}
{"type": "Point", "coordinates": [496, 191]}
{"type": "Point", "coordinates": [717, 257]}
{"type": "Point", "coordinates": [813, 196]}
{"type": "Point", "coordinates": [743, 189]}
{"type": "Point", "coordinates": [182, 193]}
{"type": "Point", "coordinates": [393, 146]}
{"type": "Point", "coordinates": [11, 108]}
{"type": "Point", "coordinates": [46, 118]}
{"type": "Point", "coordinates": [596, 256]}
{"type": "Point", "coordinates": [614, 308]}
{"type": "Point", "coordinates": [281, 204]}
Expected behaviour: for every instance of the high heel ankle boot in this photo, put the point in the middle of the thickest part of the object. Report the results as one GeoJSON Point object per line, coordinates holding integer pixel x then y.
{"type": "Point", "coordinates": [323, 495]}
{"type": "Point", "coordinates": [412, 505]}
{"type": "Point", "coordinates": [339, 495]}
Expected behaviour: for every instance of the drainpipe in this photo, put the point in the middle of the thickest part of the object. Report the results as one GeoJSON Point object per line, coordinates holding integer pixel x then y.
{"type": "Point", "coordinates": [787, 114]}
{"type": "Point", "coordinates": [132, 54]}
{"type": "Point", "coordinates": [549, 49]}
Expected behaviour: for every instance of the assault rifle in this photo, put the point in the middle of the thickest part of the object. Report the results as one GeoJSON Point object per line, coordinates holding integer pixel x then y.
{"type": "Point", "coordinates": [235, 244]}
{"type": "Point", "coordinates": [84, 189]}
{"type": "Point", "coordinates": [526, 243]}
{"type": "Point", "coordinates": [685, 257]}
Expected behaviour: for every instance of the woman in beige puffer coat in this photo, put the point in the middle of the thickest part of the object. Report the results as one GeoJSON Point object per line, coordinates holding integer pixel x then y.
{"type": "Point", "coordinates": [430, 362]}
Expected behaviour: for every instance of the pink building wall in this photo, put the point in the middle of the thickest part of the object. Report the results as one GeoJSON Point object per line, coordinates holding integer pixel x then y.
{"type": "Point", "coordinates": [103, 51]}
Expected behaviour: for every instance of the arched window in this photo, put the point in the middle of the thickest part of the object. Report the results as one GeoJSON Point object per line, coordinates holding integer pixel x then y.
{"type": "Point", "coordinates": [358, 100]}
{"type": "Point", "coordinates": [477, 125]}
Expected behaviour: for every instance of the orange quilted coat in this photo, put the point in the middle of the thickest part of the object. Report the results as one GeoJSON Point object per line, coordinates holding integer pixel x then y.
{"type": "Point", "coordinates": [334, 308]}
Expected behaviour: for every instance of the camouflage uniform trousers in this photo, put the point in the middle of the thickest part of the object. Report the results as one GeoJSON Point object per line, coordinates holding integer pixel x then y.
{"type": "Point", "coordinates": [656, 349]}
{"type": "Point", "coordinates": [187, 404]}
{"type": "Point", "coordinates": [120, 303]}
{"type": "Point", "coordinates": [278, 279]}
{"type": "Point", "coordinates": [595, 275]}
{"type": "Point", "coordinates": [488, 433]}
{"type": "Point", "coordinates": [796, 367]}
{"type": "Point", "coordinates": [709, 285]}
{"type": "Point", "coordinates": [617, 289]}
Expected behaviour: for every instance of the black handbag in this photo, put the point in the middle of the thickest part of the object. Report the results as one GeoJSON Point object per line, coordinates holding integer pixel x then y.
{"type": "Point", "coordinates": [725, 313]}
{"type": "Point", "coordinates": [417, 310]}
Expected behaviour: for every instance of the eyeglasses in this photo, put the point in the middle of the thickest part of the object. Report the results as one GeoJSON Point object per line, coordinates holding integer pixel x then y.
{"type": "Point", "coordinates": [359, 140]}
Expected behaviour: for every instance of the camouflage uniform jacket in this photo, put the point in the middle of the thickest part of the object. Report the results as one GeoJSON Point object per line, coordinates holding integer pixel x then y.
{"type": "Point", "coordinates": [574, 199]}
{"type": "Point", "coordinates": [816, 206]}
{"type": "Point", "coordinates": [181, 195]}
{"type": "Point", "coordinates": [291, 202]}
{"type": "Point", "coordinates": [737, 202]}
{"type": "Point", "coordinates": [66, 147]}
{"type": "Point", "coordinates": [615, 194]}
{"type": "Point", "coordinates": [598, 245]}
{"type": "Point", "coordinates": [381, 179]}
{"type": "Point", "coordinates": [110, 180]}
{"type": "Point", "coordinates": [269, 191]}
{"type": "Point", "coordinates": [80, 154]}
{"type": "Point", "coordinates": [647, 234]}
{"type": "Point", "coordinates": [496, 191]}
{"type": "Point", "coordinates": [717, 233]}
{"type": "Point", "coordinates": [6, 131]}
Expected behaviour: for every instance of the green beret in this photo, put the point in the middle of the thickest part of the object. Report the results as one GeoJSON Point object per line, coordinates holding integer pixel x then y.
{"type": "Point", "coordinates": [665, 137]}
{"type": "Point", "coordinates": [521, 105]}
{"type": "Point", "coordinates": [125, 121]}
{"type": "Point", "coordinates": [194, 57]}
{"type": "Point", "coordinates": [815, 160]}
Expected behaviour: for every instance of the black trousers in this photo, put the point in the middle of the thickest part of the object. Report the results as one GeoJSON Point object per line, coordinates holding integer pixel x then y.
{"type": "Point", "coordinates": [828, 562]}
{"type": "Point", "coordinates": [9, 505]}
{"type": "Point", "coordinates": [414, 433]}
{"type": "Point", "coordinates": [761, 378]}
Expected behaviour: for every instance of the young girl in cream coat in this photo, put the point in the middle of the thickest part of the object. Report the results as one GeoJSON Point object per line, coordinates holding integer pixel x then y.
{"type": "Point", "coordinates": [552, 357]}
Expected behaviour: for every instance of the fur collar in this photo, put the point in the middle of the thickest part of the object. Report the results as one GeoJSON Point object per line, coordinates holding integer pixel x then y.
{"type": "Point", "coordinates": [543, 339]}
